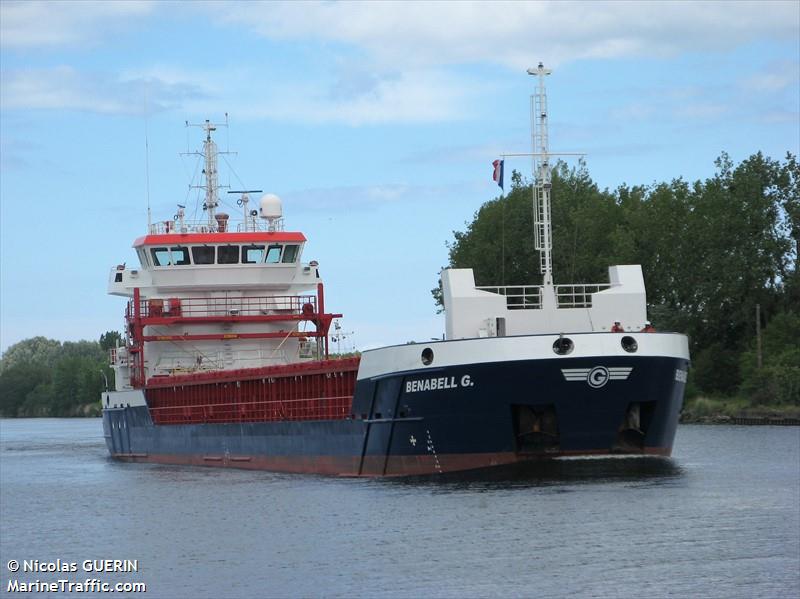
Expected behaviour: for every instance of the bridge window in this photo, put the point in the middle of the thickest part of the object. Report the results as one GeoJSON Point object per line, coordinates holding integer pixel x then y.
{"type": "Point", "coordinates": [180, 256]}
{"type": "Point", "coordinates": [160, 256]}
{"type": "Point", "coordinates": [203, 254]}
{"type": "Point", "coordinates": [228, 254]}
{"type": "Point", "coordinates": [274, 254]}
{"type": "Point", "coordinates": [290, 254]}
{"type": "Point", "coordinates": [142, 257]}
{"type": "Point", "coordinates": [252, 254]}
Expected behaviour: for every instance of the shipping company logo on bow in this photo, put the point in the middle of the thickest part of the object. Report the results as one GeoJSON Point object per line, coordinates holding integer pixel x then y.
{"type": "Point", "coordinates": [598, 376]}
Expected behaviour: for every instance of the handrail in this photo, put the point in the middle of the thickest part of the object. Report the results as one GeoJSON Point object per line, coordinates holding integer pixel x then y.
{"type": "Point", "coordinates": [203, 226]}
{"type": "Point", "coordinates": [529, 297]}
{"type": "Point", "coordinates": [578, 295]}
{"type": "Point", "coordinates": [518, 297]}
{"type": "Point", "coordinates": [205, 307]}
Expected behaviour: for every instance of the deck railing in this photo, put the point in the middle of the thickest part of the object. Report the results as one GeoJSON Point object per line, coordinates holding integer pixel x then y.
{"type": "Point", "coordinates": [519, 297]}
{"type": "Point", "coordinates": [203, 226]}
{"type": "Point", "coordinates": [529, 297]}
{"type": "Point", "coordinates": [578, 296]}
{"type": "Point", "coordinates": [204, 307]}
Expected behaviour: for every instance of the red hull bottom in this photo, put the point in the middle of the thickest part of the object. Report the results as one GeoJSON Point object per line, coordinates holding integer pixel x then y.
{"type": "Point", "coordinates": [372, 465]}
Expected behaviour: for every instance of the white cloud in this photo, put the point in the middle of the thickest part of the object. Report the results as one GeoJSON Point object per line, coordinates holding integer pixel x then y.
{"type": "Point", "coordinates": [373, 196]}
{"type": "Point", "coordinates": [780, 117]}
{"type": "Point", "coordinates": [775, 78]}
{"type": "Point", "coordinates": [635, 111]}
{"type": "Point", "coordinates": [515, 34]}
{"type": "Point", "coordinates": [66, 88]}
{"type": "Point", "coordinates": [408, 97]}
{"type": "Point", "coordinates": [378, 62]}
{"type": "Point", "coordinates": [702, 110]}
{"type": "Point", "coordinates": [30, 24]}
{"type": "Point", "coordinates": [415, 96]}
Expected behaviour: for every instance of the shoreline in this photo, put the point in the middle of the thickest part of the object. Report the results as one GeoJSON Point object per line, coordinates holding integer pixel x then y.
{"type": "Point", "coordinates": [742, 420]}
{"type": "Point", "coordinates": [705, 410]}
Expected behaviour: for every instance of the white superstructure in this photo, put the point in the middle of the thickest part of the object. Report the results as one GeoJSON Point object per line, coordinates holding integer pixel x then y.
{"type": "Point", "coordinates": [218, 294]}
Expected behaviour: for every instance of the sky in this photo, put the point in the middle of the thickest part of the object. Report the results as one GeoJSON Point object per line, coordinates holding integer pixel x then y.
{"type": "Point", "coordinates": [375, 122]}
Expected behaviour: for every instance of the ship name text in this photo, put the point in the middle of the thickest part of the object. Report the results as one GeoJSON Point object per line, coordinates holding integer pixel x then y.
{"type": "Point", "coordinates": [438, 384]}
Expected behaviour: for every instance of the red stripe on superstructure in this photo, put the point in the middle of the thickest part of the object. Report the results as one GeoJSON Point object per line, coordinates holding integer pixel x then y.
{"type": "Point", "coordinates": [250, 236]}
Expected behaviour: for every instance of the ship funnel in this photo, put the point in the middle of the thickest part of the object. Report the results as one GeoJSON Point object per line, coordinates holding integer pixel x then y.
{"type": "Point", "coordinates": [271, 209]}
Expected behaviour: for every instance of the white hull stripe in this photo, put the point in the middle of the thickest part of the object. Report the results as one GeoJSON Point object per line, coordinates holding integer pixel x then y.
{"type": "Point", "coordinates": [598, 346]}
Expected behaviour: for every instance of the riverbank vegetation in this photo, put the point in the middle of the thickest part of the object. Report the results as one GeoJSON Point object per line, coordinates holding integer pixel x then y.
{"type": "Point", "coordinates": [45, 377]}
{"type": "Point", "coordinates": [711, 252]}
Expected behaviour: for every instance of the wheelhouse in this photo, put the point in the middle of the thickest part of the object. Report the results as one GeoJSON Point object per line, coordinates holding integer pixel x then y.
{"type": "Point", "coordinates": [244, 249]}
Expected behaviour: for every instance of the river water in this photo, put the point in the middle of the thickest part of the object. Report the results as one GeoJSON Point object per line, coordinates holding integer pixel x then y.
{"type": "Point", "coordinates": [720, 519]}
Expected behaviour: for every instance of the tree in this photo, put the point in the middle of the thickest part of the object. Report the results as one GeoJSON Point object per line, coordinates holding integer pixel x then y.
{"type": "Point", "coordinates": [36, 350]}
{"type": "Point", "coordinates": [17, 382]}
{"type": "Point", "coordinates": [779, 377]}
{"type": "Point", "coordinates": [43, 377]}
{"type": "Point", "coordinates": [111, 339]}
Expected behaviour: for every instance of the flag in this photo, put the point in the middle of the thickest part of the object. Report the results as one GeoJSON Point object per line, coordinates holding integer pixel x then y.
{"type": "Point", "coordinates": [497, 175]}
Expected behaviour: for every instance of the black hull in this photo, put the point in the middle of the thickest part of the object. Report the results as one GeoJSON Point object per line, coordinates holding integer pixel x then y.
{"type": "Point", "coordinates": [437, 420]}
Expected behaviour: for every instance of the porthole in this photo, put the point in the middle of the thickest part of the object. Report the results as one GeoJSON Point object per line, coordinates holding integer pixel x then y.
{"type": "Point", "coordinates": [427, 356]}
{"type": "Point", "coordinates": [629, 344]}
{"type": "Point", "coordinates": [563, 346]}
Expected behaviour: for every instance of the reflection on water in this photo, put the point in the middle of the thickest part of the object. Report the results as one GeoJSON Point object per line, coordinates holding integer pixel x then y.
{"type": "Point", "coordinates": [555, 472]}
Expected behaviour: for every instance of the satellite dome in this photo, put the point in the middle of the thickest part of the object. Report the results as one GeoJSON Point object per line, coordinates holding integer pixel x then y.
{"type": "Point", "coordinates": [270, 206]}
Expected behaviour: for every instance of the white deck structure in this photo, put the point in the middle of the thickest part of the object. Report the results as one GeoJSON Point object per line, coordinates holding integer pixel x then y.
{"type": "Point", "coordinates": [472, 311]}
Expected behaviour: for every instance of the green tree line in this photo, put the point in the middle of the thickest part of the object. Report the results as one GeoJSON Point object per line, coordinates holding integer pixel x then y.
{"type": "Point", "coordinates": [710, 251]}
{"type": "Point", "coordinates": [45, 377]}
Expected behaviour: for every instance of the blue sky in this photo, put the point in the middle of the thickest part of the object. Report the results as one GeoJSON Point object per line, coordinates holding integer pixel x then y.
{"type": "Point", "coordinates": [375, 122]}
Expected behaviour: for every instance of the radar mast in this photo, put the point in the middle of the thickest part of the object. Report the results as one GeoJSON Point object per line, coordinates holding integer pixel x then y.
{"type": "Point", "coordinates": [540, 154]}
{"type": "Point", "coordinates": [542, 228]}
{"type": "Point", "coordinates": [209, 154]}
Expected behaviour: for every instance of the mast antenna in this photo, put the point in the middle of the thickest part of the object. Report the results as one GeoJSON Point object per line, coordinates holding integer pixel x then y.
{"type": "Point", "coordinates": [147, 163]}
{"type": "Point", "coordinates": [209, 154]}
{"type": "Point", "coordinates": [542, 227]}
{"type": "Point", "coordinates": [540, 153]}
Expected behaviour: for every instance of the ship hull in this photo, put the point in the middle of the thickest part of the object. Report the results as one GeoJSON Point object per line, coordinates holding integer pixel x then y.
{"type": "Point", "coordinates": [449, 418]}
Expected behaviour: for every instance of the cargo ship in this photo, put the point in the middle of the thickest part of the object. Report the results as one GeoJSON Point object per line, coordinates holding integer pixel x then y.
{"type": "Point", "coordinates": [226, 357]}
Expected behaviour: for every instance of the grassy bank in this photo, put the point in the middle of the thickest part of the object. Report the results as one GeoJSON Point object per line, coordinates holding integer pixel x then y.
{"type": "Point", "coordinates": [725, 410]}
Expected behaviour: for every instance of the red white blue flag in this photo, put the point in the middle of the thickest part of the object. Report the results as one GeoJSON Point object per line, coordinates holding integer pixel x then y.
{"type": "Point", "coordinates": [497, 175]}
